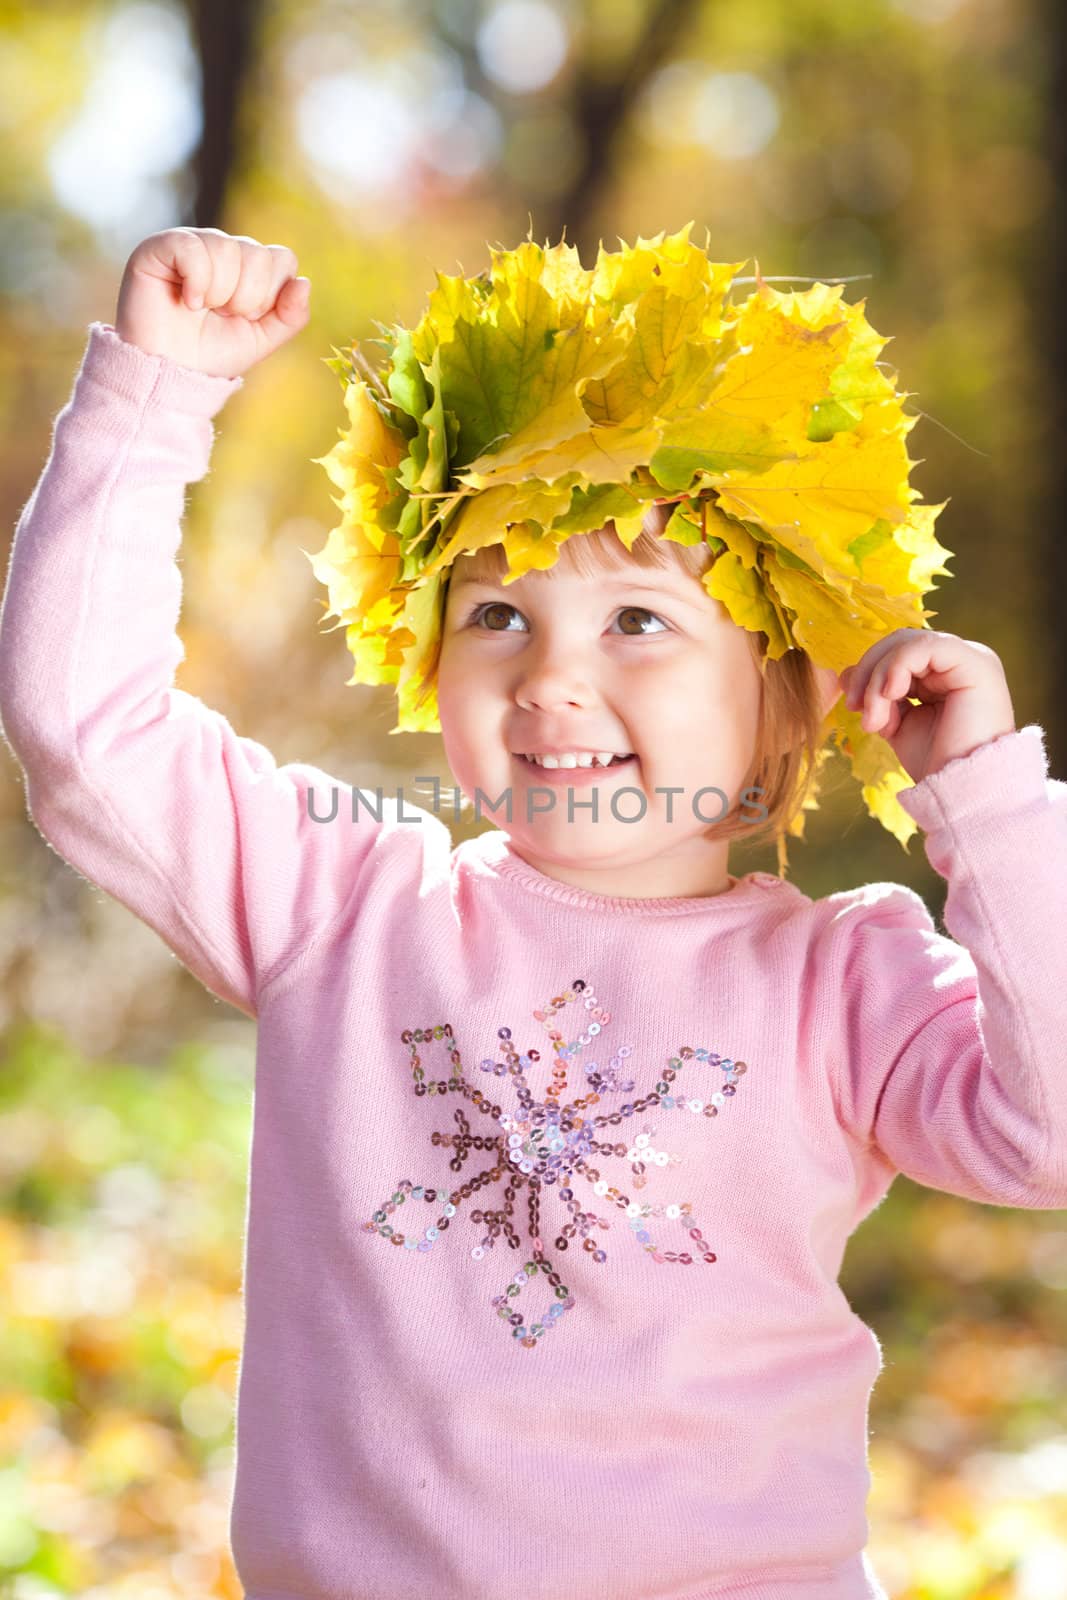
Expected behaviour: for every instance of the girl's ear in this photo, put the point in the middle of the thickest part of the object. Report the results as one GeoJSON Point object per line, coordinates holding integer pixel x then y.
{"type": "Point", "coordinates": [830, 687]}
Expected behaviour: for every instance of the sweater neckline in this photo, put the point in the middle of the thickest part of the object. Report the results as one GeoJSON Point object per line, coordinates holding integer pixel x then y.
{"type": "Point", "coordinates": [496, 856]}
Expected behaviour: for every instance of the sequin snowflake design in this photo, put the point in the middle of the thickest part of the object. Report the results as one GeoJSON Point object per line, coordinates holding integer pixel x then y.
{"type": "Point", "coordinates": [550, 1142]}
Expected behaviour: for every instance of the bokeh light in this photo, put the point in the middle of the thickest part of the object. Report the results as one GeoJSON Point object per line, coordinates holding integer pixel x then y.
{"type": "Point", "coordinates": [732, 115]}
{"type": "Point", "coordinates": [139, 122]}
{"type": "Point", "coordinates": [522, 44]}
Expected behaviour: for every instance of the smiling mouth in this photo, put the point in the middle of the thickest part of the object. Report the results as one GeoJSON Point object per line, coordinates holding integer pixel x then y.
{"type": "Point", "coordinates": [593, 766]}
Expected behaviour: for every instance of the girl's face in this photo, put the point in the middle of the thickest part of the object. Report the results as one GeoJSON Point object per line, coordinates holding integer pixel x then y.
{"type": "Point", "coordinates": [636, 660]}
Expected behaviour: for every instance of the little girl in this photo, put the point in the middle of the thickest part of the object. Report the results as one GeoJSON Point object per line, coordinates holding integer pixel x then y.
{"type": "Point", "coordinates": [623, 1368]}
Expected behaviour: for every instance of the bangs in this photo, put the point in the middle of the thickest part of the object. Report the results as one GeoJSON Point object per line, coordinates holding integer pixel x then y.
{"type": "Point", "coordinates": [601, 550]}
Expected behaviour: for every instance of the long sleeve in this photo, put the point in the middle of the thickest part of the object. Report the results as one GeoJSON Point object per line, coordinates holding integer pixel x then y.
{"type": "Point", "coordinates": [949, 1055]}
{"type": "Point", "coordinates": [135, 783]}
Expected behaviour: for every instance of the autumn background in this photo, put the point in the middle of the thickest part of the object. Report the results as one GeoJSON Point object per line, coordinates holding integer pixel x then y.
{"type": "Point", "coordinates": [914, 147]}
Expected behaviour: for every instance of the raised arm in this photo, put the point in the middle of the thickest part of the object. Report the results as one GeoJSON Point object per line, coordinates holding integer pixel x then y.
{"type": "Point", "coordinates": [137, 784]}
{"type": "Point", "coordinates": [949, 1055]}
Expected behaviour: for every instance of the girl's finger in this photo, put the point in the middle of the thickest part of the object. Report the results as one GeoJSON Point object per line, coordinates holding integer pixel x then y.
{"type": "Point", "coordinates": [893, 677]}
{"type": "Point", "coordinates": [249, 295]}
{"type": "Point", "coordinates": [879, 696]}
{"type": "Point", "coordinates": [892, 721]}
{"type": "Point", "coordinates": [226, 260]}
{"type": "Point", "coordinates": [860, 687]}
{"type": "Point", "coordinates": [288, 314]}
{"type": "Point", "coordinates": [870, 698]}
{"type": "Point", "coordinates": [284, 266]}
{"type": "Point", "coordinates": [191, 259]}
{"type": "Point", "coordinates": [887, 652]}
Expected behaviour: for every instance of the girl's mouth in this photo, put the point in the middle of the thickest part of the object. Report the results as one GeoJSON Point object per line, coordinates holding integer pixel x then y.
{"type": "Point", "coordinates": [574, 776]}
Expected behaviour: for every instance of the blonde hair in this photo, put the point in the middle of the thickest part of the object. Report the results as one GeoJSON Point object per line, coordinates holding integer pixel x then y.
{"type": "Point", "coordinates": [789, 733]}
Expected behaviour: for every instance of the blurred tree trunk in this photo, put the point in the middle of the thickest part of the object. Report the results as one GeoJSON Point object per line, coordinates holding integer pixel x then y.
{"type": "Point", "coordinates": [226, 38]}
{"type": "Point", "coordinates": [1048, 331]}
{"type": "Point", "coordinates": [601, 108]}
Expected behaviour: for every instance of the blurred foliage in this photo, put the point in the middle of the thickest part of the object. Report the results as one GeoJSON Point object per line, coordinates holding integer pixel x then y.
{"type": "Point", "coordinates": [897, 143]}
{"type": "Point", "coordinates": [122, 1196]}
{"type": "Point", "coordinates": [122, 1193]}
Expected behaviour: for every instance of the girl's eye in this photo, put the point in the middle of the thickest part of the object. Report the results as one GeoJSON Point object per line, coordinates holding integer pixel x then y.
{"type": "Point", "coordinates": [640, 611]}
{"type": "Point", "coordinates": [484, 611]}
{"type": "Point", "coordinates": [480, 612]}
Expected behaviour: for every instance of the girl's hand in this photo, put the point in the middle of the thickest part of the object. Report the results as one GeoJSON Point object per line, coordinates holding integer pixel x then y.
{"type": "Point", "coordinates": [964, 694]}
{"type": "Point", "coordinates": [210, 300]}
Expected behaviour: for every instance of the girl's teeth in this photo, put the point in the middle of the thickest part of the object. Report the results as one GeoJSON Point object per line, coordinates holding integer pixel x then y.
{"type": "Point", "coordinates": [601, 758]}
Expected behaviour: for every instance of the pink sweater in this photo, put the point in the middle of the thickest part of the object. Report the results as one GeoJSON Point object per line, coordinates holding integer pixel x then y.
{"type": "Point", "coordinates": [623, 1367]}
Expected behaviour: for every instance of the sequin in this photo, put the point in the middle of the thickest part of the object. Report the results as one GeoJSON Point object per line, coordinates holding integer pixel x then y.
{"type": "Point", "coordinates": [542, 1146]}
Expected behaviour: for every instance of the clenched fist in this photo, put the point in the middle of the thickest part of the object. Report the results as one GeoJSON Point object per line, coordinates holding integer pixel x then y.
{"type": "Point", "coordinates": [213, 301]}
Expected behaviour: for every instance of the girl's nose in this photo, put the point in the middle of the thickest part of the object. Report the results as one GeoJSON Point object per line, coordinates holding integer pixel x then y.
{"type": "Point", "coordinates": [551, 675]}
